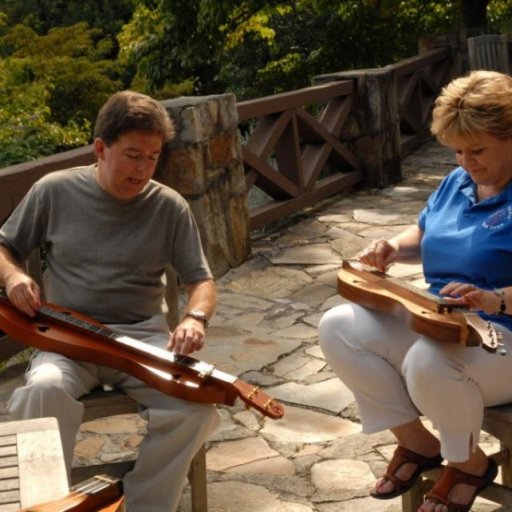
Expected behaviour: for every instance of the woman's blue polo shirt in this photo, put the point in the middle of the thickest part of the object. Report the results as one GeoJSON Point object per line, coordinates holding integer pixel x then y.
{"type": "Point", "coordinates": [465, 240]}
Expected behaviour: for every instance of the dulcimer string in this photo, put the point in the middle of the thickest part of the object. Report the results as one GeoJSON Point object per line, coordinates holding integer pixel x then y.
{"type": "Point", "coordinates": [441, 305]}
{"type": "Point", "coordinates": [202, 368]}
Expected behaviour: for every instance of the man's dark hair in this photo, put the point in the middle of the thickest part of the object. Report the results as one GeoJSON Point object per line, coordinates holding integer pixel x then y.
{"type": "Point", "coordinates": [128, 111]}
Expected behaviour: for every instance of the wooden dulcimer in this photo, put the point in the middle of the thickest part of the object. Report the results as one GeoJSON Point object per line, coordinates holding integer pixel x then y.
{"type": "Point", "coordinates": [423, 312]}
{"type": "Point", "coordinates": [77, 336]}
{"type": "Point", "coordinates": [100, 493]}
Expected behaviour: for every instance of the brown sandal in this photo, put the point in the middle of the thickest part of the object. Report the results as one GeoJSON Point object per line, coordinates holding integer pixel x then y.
{"type": "Point", "coordinates": [450, 477]}
{"type": "Point", "coordinates": [400, 457]}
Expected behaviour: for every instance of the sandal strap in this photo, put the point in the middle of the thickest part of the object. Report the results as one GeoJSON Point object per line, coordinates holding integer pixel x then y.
{"type": "Point", "coordinates": [403, 456]}
{"type": "Point", "coordinates": [450, 477]}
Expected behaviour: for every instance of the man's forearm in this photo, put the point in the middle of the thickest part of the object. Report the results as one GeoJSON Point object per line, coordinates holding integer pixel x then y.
{"type": "Point", "coordinates": [202, 296]}
{"type": "Point", "coordinates": [8, 265]}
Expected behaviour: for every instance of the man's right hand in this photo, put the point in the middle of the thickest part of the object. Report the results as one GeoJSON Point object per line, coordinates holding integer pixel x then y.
{"type": "Point", "coordinates": [24, 293]}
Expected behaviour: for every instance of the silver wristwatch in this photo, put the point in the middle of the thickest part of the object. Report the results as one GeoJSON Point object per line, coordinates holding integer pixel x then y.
{"type": "Point", "coordinates": [198, 315]}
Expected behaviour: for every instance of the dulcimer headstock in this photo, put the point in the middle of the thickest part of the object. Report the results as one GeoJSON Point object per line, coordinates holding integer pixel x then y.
{"type": "Point", "coordinates": [255, 397]}
{"type": "Point", "coordinates": [482, 333]}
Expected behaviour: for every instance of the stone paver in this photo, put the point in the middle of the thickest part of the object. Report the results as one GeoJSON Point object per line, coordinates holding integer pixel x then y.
{"type": "Point", "coordinates": [315, 459]}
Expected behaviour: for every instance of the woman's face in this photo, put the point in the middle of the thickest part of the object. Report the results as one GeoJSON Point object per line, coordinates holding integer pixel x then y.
{"type": "Point", "coordinates": [486, 158]}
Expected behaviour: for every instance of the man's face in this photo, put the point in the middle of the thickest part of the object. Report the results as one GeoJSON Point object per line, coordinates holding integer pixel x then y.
{"type": "Point", "coordinates": [126, 166]}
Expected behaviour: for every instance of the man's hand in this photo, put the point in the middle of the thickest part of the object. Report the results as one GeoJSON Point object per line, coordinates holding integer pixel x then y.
{"type": "Point", "coordinates": [187, 337]}
{"type": "Point", "coordinates": [24, 293]}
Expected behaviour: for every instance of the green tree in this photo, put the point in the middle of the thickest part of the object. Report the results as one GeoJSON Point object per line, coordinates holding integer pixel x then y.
{"type": "Point", "coordinates": [72, 62]}
{"type": "Point", "coordinates": [255, 48]}
{"type": "Point", "coordinates": [499, 16]}
{"type": "Point", "coordinates": [43, 15]}
{"type": "Point", "coordinates": [53, 86]}
{"type": "Point", "coordinates": [26, 131]}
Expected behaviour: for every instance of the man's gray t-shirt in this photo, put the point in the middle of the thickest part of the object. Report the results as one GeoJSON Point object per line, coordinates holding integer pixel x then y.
{"type": "Point", "coordinates": [106, 257]}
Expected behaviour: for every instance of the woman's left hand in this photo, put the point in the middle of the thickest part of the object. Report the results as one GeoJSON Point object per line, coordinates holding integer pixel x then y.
{"type": "Point", "coordinates": [470, 295]}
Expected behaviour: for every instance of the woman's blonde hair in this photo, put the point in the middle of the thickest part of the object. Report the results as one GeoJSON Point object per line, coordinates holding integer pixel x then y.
{"type": "Point", "coordinates": [480, 102]}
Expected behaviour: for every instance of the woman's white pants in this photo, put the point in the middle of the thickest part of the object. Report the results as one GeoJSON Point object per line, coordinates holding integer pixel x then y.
{"type": "Point", "coordinates": [396, 375]}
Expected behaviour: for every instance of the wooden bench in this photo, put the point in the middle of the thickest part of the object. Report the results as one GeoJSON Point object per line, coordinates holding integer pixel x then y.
{"type": "Point", "coordinates": [498, 423]}
{"type": "Point", "coordinates": [489, 51]}
{"type": "Point", "coordinates": [32, 468]}
{"type": "Point", "coordinates": [104, 402]}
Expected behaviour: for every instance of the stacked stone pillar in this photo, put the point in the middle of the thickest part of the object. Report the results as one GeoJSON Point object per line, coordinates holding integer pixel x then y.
{"type": "Point", "coordinates": [204, 164]}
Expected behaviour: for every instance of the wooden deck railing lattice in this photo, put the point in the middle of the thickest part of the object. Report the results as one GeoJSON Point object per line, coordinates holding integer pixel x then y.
{"type": "Point", "coordinates": [419, 81]}
{"type": "Point", "coordinates": [294, 150]}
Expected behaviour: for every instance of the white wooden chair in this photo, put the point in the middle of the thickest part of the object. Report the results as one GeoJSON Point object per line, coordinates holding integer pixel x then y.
{"type": "Point", "coordinates": [489, 51]}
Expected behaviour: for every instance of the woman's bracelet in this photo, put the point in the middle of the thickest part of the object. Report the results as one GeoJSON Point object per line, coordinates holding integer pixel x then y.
{"type": "Point", "coordinates": [503, 306]}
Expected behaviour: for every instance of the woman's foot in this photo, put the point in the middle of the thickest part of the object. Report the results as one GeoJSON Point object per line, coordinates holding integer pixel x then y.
{"type": "Point", "coordinates": [403, 470]}
{"type": "Point", "coordinates": [413, 438]}
{"type": "Point", "coordinates": [456, 489]}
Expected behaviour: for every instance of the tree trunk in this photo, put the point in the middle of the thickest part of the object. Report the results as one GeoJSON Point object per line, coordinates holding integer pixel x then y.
{"type": "Point", "coordinates": [474, 13]}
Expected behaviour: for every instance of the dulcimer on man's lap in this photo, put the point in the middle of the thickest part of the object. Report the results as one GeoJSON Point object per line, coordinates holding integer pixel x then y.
{"type": "Point", "coordinates": [77, 336]}
{"type": "Point", "coordinates": [424, 312]}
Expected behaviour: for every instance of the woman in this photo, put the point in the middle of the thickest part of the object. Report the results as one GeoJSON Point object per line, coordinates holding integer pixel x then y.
{"type": "Point", "coordinates": [464, 240]}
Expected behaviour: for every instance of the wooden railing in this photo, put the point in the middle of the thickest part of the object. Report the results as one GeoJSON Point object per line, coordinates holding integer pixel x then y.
{"type": "Point", "coordinates": [15, 181]}
{"type": "Point", "coordinates": [303, 146]}
{"type": "Point", "coordinates": [419, 81]}
{"type": "Point", "coordinates": [293, 151]}
{"type": "Point", "coordinates": [298, 149]}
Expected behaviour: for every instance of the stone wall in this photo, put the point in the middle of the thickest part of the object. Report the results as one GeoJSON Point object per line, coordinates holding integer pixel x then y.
{"type": "Point", "coordinates": [204, 163]}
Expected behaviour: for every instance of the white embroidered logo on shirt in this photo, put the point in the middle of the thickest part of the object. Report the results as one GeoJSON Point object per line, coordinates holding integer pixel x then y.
{"type": "Point", "coordinates": [498, 219]}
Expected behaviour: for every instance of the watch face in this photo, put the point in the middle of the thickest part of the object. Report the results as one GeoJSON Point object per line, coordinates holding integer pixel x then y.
{"type": "Point", "coordinates": [196, 313]}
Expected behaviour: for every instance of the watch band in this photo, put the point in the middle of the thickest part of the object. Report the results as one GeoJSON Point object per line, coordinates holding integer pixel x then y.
{"type": "Point", "coordinates": [198, 315]}
{"type": "Point", "coordinates": [503, 306]}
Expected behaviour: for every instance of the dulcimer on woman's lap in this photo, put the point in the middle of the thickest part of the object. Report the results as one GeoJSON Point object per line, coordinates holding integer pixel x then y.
{"type": "Point", "coordinates": [77, 336]}
{"type": "Point", "coordinates": [423, 312]}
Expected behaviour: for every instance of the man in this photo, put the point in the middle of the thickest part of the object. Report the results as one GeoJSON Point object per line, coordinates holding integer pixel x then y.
{"type": "Point", "coordinates": [109, 232]}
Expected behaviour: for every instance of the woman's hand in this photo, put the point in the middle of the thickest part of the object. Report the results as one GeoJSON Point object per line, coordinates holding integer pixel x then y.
{"type": "Point", "coordinates": [473, 297]}
{"type": "Point", "coordinates": [404, 248]}
{"type": "Point", "coordinates": [380, 254]}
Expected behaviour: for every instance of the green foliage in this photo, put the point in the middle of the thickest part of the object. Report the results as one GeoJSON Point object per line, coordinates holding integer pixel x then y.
{"type": "Point", "coordinates": [63, 58]}
{"type": "Point", "coordinates": [65, 79]}
{"type": "Point", "coordinates": [72, 65]}
{"type": "Point", "coordinates": [499, 15]}
{"type": "Point", "coordinates": [171, 42]}
{"type": "Point", "coordinates": [43, 15]}
{"type": "Point", "coordinates": [256, 48]}
{"type": "Point", "coordinates": [26, 131]}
